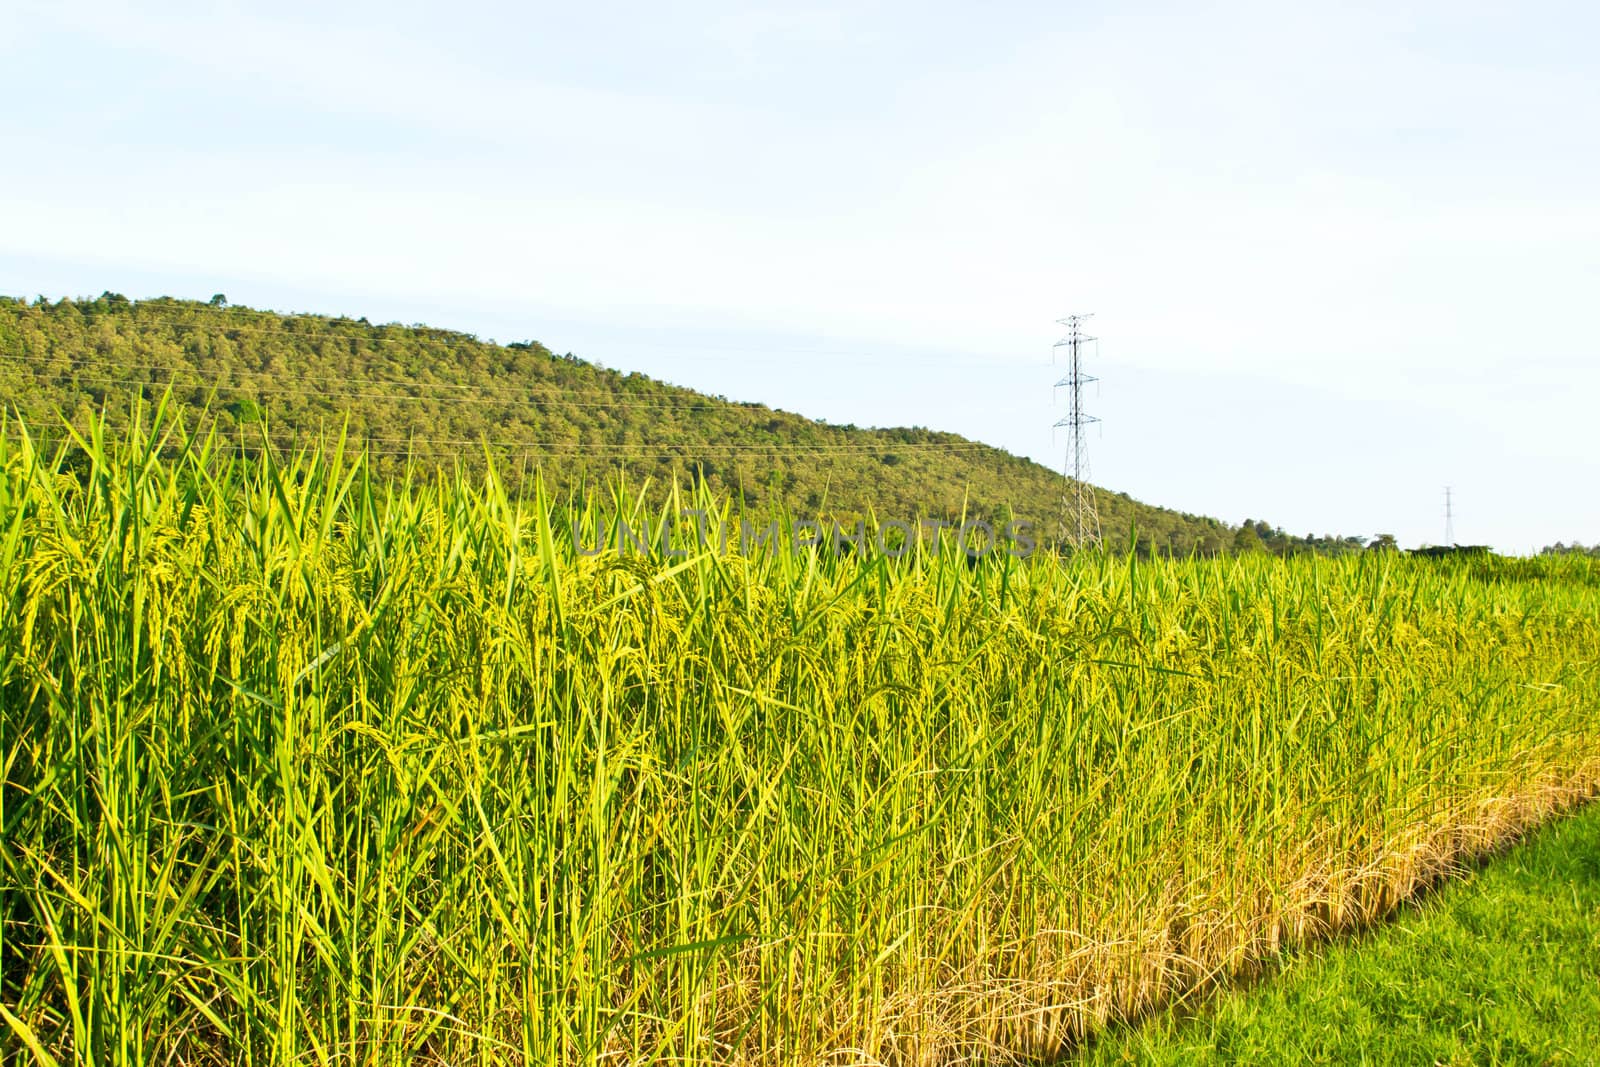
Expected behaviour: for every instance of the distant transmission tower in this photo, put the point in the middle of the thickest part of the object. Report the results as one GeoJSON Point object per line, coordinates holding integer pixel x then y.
{"type": "Point", "coordinates": [1080, 520]}
{"type": "Point", "coordinates": [1449, 518]}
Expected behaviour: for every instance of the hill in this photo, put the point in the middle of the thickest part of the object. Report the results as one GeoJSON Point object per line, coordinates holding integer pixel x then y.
{"type": "Point", "coordinates": [416, 393]}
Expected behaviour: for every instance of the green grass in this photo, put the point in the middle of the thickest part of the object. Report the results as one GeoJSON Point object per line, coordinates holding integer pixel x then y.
{"type": "Point", "coordinates": [1502, 967]}
{"type": "Point", "coordinates": [304, 766]}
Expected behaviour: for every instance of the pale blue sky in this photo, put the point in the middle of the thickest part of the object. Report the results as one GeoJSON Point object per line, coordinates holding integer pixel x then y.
{"type": "Point", "coordinates": [1339, 258]}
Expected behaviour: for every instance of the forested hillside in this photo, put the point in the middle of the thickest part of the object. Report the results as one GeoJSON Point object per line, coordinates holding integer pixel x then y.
{"type": "Point", "coordinates": [439, 397]}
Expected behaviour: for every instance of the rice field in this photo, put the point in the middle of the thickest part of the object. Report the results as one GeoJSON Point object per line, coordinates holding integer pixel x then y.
{"type": "Point", "coordinates": [307, 767]}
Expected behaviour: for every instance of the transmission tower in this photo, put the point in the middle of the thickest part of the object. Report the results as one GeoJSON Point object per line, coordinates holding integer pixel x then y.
{"type": "Point", "coordinates": [1449, 518]}
{"type": "Point", "coordinates": [1080, 520]}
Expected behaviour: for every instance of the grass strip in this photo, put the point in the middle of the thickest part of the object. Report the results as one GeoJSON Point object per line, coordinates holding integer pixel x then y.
{"type": "Point", "coordinates": [1501, 967]}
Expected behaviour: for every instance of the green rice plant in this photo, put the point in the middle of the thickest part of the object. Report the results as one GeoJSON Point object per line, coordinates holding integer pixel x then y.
{"type": "Point", "coordinates": [306, 767]}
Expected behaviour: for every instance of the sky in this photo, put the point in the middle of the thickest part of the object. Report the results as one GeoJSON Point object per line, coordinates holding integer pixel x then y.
{"type": "Point", "coordinates": [1338, 256]}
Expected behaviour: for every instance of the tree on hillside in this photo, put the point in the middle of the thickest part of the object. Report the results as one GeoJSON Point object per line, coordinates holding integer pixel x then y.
{"type": "Point", "coordinates": [1247, 540]}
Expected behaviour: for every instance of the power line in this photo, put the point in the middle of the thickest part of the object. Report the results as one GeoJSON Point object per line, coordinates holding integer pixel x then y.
{"type": "Point", "coordinates": [556, 396]}
{"type": "Point", "coordinates": [1080, 519]}
{"type": "Point", "coordinates": [168, 378]}
{"type": "Point", "coordinates": [138, 316]}
{"type": "Point", "coordinates": [132, 368]}
{"type": "Point", "coordinates": [880, 445]}
{"type": "Point", "coordinates": [65, 376]}
{"type": "Point", "coordinates": [527, 449]}
{"type": "Point", "coordinates": [405, 383]}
